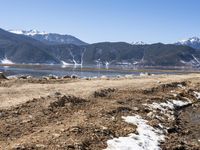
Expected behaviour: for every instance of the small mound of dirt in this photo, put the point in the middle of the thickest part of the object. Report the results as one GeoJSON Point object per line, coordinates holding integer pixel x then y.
{"type": "Point", "coordinates": [104, 92]}
{"type": "Point", "coordinates": [119, 110]}
{"type": "Point", "coordinates": [67, 101]}
{"type": "Point", "coordinates": [165, 87]}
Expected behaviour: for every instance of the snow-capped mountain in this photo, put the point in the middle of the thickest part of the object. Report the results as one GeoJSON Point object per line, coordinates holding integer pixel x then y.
{"type": "Point", "coordinates": [193, 42]}
{"type": "Point", "coordinates": [20, 49]}
{"type": "Point", "coordinates": [50, 38]}
{"type": "Point", "coordinates": [139, 43]}
{"type": "Point", "coordinates": [29, 33]}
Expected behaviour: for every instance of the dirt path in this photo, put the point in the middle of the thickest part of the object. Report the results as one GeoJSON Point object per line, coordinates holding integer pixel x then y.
{"type": "Point", "coordinates": [16, 92]}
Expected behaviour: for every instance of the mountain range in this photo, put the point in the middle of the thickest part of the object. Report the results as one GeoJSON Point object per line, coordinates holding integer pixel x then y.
{"type": "Point", "coordinates": [50, 38]}
{"type": "Point", "coordinates": [23, 47]}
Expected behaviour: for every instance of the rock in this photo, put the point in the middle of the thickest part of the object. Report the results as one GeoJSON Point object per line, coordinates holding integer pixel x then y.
{"type": "Point", "coordinates": [119, 76]}
{"type": "Point", "coordinates": [66, 77]}
{"type": "Point", "coordinates": [2, 76]}
{"type": "Point", "coordinates": [129, 129]}
{"type": "Point", "coordinates": [56, 135]}
{"type": "Point", "coordinates": [46, 78]}
{"type": "Point", "coordinates": [87, 78]}
{"type": "Point", "coordinates": [128, 76]}
{"type": "Point", "coordinates": [74, 76]}
{"type": "Point", "coordinates": [24, 77]}
{"type": "Point", "coordinates": [136, 109]}
{"type": "Point", "coordinates": [154, 123]}
{"type": "Point", "coordinates": [145, 74]}
{"type": "Point", "coordinates": [53, 77]}
{"type": "Point", "coordinates": [40, 146]}
{"type": "Point", "coordinates": [18, 146]}
{"type": "Point", "coordinates": [62, 130]}
{"type": "Point", "coordinates": [58, 93]}
{"type": "Point", "coordinates": [150, 115]}
{"type": "Point", "coordinates": [104, 77]}
{"type": "Point", "coordinates": [75, 129]}
{"type": "Point", "coordinates": [172, 130]}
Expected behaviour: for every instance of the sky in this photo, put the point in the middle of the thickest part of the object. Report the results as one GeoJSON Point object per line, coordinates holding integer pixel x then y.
{"type": "Point", "coordinates": [92, 21]}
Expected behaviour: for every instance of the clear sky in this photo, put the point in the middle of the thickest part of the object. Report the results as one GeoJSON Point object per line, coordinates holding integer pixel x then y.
{"type": "Point", "coordinates": [106, 20]}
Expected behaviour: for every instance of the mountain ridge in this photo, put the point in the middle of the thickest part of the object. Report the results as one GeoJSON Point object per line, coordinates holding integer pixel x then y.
{"type": "Point", "coordinates": [17, 48]}
{"type": "Point", "coordinates": [193, 42]}
{"type": "Point", "coordinates": [50, 38]}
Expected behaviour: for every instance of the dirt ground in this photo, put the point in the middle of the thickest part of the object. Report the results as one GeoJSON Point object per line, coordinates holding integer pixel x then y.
{"type": "Point", "coordinates": [82, 114]}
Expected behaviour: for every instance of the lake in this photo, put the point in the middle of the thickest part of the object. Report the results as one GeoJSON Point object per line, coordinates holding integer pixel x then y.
{"type": "Point", "coordinates": [85, 71]}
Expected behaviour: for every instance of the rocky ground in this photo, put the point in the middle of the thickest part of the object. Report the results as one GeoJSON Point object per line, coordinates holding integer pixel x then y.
{"type": "Point", "coordinates": [83, 114]}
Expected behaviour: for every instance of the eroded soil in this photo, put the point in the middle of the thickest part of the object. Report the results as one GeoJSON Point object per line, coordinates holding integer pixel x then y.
{"type": "Point", "coordinates": [83, 114]}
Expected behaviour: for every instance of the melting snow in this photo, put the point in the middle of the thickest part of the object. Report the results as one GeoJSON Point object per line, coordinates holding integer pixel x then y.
{"type": "Point", "coordinates": [30, 32]}
{"type": "Point", "coordinates": [197, 94]}
{"type": "Point", "coordinates": [169, 104]}
{"type": "Point", "coordinates": [65, 64]}
{"type": "Point", "coordinates": [148, 138]}
{"type": "Point", "coordinates": [6, 61]}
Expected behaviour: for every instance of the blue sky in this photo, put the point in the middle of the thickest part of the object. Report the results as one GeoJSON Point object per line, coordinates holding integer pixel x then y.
{"type": "Point", "coordinates": [106, 20]}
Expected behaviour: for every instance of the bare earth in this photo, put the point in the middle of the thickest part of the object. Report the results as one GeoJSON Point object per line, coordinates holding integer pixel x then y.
{"type": "Point", "coordinates": [83, 114]}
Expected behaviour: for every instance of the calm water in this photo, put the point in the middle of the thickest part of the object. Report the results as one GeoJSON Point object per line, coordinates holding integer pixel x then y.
{"type": "Point", "coordinates": [86, 71]}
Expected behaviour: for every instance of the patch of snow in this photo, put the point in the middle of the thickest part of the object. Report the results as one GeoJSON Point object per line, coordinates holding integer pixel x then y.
{"type": "Point", "coordinates": [145, 74]}
{"type": "Point", "coordinates": [65, 63]}
{"type": "Point", "coordinates": [169, 105]}
{"type": "Point", "coordinates": [6, 61]}
{"type": "Point", "coordinates": [30, 32]}
{"type": "Point", "coordinates": [139, 43]}
{"type": "Point", "coordinates": [190, 40]}
{"type": "Point", "coordinates": [178, 103]}
{"type": "Point", "coordinates": [196, 59]}
{"type": "Point", "coordinates": [12, 77]}
{"type": "Point", "coordinates": [147, 138]}
{"type": "Point", "coordinates": [167, 108]}
{"type": "Point", "coordinates": [180, 85]}
{"type": "Point", "coordinates": [197, 95]}
{"type": "Point", "coordinates": [135, 62]}
{"type": "Point", "coordinates": [129, 76]}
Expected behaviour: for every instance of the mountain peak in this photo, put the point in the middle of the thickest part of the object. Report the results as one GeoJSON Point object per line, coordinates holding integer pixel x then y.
{"type": "Point", "coordinates": [138, 43]}
{"type": "Point", "coordinates": [189, 40]}
{"type": "Point", "coordinates": [193, 42]}
{"type": "Point", "coordinates": [49, 38]}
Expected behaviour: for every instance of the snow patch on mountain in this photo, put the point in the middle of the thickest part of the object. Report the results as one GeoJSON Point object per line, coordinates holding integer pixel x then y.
{"type": "Point", "coordinates": [193, 42]}
{"type": "Point", "coordinates": [50, 38]}
{"type": "Point", "coordinates": [6, 61]}
{"type": "Point", "coordinates": [28, 33]}
{"type": "Point", "coordinates": [138, 43]}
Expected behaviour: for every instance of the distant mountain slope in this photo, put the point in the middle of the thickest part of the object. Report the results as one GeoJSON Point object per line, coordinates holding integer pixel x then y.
{"type": "Point", "coordinates": [121, 53]}
{"type": "Point", "coordinates": [15, 48]}
{"type": "Point", "coordinates": [23, 49]}
{"type": "Point", "coordinates": [148, 55]}
{"type": "Point", "coordinates": [193, 42]}
{"type": "Point", "coordinates": [50, 38]}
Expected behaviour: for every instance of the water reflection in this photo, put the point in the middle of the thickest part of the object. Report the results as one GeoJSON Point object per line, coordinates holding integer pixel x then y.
{"type": "Point", "coordinates": [83, 71]}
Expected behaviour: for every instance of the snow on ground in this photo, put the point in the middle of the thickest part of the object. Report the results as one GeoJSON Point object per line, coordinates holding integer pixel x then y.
{"type": "Point", "coordinates": [168, 105]}
{"type": "Point", "coordinates": [197, 95]}
{"type": "Point", "coordinates": [166, 108]}
{"type": "Point", "coordinates": [147, 138]}
{"type": "Point", "coordinates": [6, 61]}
